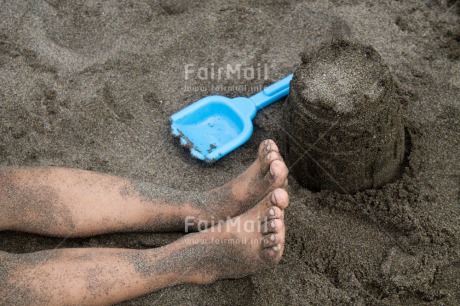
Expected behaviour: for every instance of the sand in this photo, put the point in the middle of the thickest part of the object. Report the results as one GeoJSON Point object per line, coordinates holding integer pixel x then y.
{"type": "Point", "coordinates": [91, 85]}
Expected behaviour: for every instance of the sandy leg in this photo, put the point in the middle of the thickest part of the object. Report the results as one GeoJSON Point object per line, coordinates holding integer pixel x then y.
{"type": "Point", "coordinates": [241, 246]}
{"type": "Point", "coordinates": [75, 203]}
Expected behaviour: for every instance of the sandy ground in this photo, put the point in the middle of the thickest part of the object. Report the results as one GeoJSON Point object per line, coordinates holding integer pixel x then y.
{"type": "Point", "coordinates": [90, 84]}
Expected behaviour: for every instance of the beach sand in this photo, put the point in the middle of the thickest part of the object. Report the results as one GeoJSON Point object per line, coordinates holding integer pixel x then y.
{"type": "Point", "coordinates": [91, 84]}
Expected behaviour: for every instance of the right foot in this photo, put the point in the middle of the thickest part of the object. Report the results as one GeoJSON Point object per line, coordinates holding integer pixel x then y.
{"type": "Point", "coordinates": [267, 173]}
{"type": "Point", "coordinates": [241, 246]}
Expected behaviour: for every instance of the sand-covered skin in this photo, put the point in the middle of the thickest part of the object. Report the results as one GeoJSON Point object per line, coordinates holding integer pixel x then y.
{"type": "Point", "coordinates": [91, 85]}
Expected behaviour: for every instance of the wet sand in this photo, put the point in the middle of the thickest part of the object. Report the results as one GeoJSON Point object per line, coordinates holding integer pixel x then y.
{"type": "Point", "coordinates": [91, 85]}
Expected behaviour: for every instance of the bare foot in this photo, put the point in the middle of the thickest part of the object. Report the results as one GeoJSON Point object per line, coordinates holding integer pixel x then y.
{"type": "Point", "coordinates": [267, 173]}
{"type": "Point", "coordinates": [241, 246]}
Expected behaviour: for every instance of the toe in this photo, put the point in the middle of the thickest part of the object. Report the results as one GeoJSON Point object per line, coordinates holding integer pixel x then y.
{"type": "Point", "coordinates": [270, 241]}
{"type": "Point", "coordinates": [272, 226]}
{"type": "Point", "coordinates": [268, 152]}
{"type": "Point", "coordinates": [280, 198]}
{"type": "Point", "coordinates": [272, 205]}
{"type": "Point", "coordinates": [263, 150]}
{"type": "Point", "coordinates": [278, 172]}
{"type": "Point", "coordinates": [273, 254]}
{"type": "Point", "coordinates": [276, 248]}
{"type": "Point", "coordinates": [274, 213]}
{"type": "Point", "coordinates": [267, 160]}
{"type": "Point", "coordinates": [273, 242]}
{"type": "Point", "coordinates": [271, 146]}
{"type": "Point", "coordinates": [267, 146]}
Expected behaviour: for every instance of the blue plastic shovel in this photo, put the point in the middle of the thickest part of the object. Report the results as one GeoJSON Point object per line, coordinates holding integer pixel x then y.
{"type": "Point", "coordinates": [214, 126]}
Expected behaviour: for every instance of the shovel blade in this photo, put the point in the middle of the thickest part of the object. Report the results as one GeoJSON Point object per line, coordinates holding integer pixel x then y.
{"type": "Point", "coordinates": [211, 128]}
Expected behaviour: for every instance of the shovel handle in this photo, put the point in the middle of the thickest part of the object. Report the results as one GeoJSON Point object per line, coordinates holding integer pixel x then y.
{"type": "Point", "coordinates": [272, 93]}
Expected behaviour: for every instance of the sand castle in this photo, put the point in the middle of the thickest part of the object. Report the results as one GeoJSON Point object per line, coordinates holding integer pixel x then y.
{"type": "Point", "coordinates": [346, 124]}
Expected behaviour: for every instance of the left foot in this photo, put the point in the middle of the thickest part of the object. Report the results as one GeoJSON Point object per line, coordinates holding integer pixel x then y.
{"type": "Point", "coordinates": [241, 246]}
{"type": "Point", "coordinates": [267, 173]}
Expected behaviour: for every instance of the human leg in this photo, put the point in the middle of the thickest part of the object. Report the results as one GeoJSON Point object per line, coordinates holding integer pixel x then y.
{"type": "Point", "coordinates": [243, 245]}
{"type": "Point", "coordinates": [71, 203]}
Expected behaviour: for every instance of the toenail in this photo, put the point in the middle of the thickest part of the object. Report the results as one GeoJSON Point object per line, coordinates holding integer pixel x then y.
{"type": "Point", "coordinates": [275, 248]}
{"type": "Point", "coordinates": [266, 142]}
{"type": "Point", "coordinates": [272, 224]}
{"type": "Point", "coordinates": [271, 212]}
{"type": "Point", "coordinates": [272, 237]}
{"type": "Point", "coordinates": [269, 155]}
{"type": "Point", "coordinates": [269, 146]}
